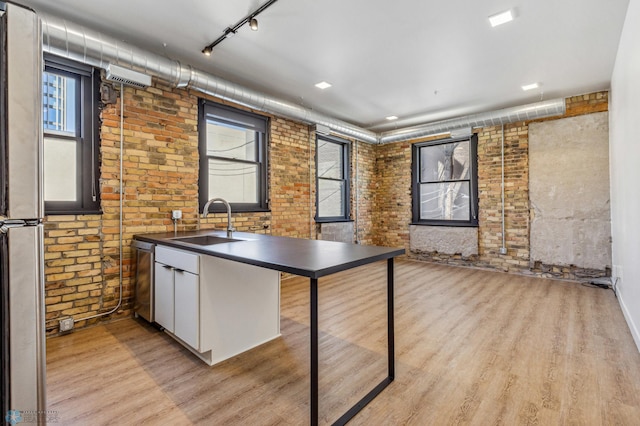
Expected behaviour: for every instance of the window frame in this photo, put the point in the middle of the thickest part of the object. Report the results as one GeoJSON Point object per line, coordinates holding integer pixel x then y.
{"type": "Point", "coordinates": [346, 178]}
{"type": "Point", "coordinates": [3, 108]}
{"type": "Point", "coordinates": [87, 128]}
{"type": "Point", "coordinates": [473, 183]}
{"type": "Point", "coordinates": [237, 118]}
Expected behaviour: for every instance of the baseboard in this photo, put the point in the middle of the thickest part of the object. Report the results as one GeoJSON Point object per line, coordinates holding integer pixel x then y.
{"type": "Point", "coordinates": [632, 326]}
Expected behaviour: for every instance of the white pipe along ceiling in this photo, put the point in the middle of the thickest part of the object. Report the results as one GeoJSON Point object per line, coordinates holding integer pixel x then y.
{"type": "Point", "coordinates": [69, 40]}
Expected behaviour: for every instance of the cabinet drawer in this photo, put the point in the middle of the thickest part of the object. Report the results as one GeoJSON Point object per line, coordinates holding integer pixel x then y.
{"type": "Point", "coordinates": [179, 259]}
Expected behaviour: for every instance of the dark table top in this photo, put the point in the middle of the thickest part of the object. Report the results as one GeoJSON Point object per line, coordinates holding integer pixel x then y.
{"type": "Point", "coordinates": [308, 258]}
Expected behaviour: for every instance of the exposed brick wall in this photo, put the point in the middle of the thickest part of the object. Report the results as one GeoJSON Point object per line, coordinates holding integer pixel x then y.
{"type": "Point", "coordinates": [393, 199]}
{"type": "Point", "coordinates": [73, 265]}
{"type": "Point", "coordinates": [82, 253]}
{"type": "Point", "coordinates": [587, 103]}
{"type": "Point", "coordinates": [516, 192]}
{"type": "Point", "coordinates": [392, 206]}
{"type": "Point", "coordinates": [364, 160]}
{"type": "Point", "coordinates": [292, 184]}
{"type": "Point", "coordinates": [160, 163]}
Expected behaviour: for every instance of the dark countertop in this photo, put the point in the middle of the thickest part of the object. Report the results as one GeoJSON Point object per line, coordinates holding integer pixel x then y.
{"type": "Point", "coordinates": [308, 258]}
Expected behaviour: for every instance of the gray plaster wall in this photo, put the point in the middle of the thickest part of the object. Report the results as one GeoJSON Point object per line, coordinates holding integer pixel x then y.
{"type": "Point", "coordinates": [444, 239]}
{"type": "Point", "coordinates": [337, 231]}
{"type": "Point", "coordinates": [569, 191]}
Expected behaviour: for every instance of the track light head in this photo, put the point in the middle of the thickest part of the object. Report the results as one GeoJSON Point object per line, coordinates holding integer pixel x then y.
{"type": "Point", "coordinates": [231, 31]}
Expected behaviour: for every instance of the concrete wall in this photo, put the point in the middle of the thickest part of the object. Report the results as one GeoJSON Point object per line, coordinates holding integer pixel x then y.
{"type": "Point", "coordinates": [444, 239]}
{"type": "Point", "coordinates": [569, 191]}
{"type": "Point", "coordinates": [625, 169]}
{"type": "Point", "coordinates": [336, 231]}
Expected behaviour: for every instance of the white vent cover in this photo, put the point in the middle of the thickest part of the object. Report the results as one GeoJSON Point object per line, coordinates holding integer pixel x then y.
{"type": "Point", "coordinates": [461, 133]}
{"type": "Point", "coordinates": [322, 130]}
{"type": "Point", "coordinates": [127, 76]}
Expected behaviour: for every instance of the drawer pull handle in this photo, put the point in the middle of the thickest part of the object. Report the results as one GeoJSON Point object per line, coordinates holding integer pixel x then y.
{"type": "Point", "coordinates": [167, 267]}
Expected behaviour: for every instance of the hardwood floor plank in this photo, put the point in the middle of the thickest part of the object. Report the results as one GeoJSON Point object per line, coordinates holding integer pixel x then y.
{"type": "Point", "coordinates": [473, 347]}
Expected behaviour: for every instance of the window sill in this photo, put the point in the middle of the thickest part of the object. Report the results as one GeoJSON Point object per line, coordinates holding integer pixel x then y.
{"type": "Point", "coordinates": [216, 210]}
{"type": "Point", "coordinates": [332, 220]}
{"type": "Point", "coordinates": [72, 212]}
{"type": "Point", "coordinates": [446, 223]}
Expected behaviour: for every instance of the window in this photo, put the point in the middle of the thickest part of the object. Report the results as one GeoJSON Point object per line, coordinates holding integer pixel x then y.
{"type": "Point", "coordinates": [71, 143]}
{"type": "Point", "coordinates": [233, 158]}
{"type": "Point", "coordinates": [445, 184]}
{"type": "Point", "coordinates": [333, 171]}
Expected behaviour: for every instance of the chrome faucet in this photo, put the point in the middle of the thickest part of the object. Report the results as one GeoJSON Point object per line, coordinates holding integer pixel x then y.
{"type": "Point", "coordinates": [205, 212]}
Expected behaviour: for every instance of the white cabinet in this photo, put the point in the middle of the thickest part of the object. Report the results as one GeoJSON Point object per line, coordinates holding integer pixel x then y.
{"type": "Point", "coordinates": [187, 312]}
{"type": "Point", "coordinates": [164, 296]}
{"type": "Point", "coordinates": [177, 294]}
{"type": "Point", "coordinates": [216, 308]}
{"type": "Point", "coordinates": [240, 307]}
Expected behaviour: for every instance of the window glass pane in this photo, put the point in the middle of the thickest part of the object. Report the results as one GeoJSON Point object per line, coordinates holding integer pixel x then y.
{"type": "Point", "coordinates": [60, 174]}
{"type": "Point", "coordinates": [235, 182]}
{"type": "Point", "coordinates": [444, 201]}
{"type": "Point", "coordinates": [445, 162]}
{"type": "Point", "coordinates": [329, 160]}
{"type": "Point", "coordinates": [59, 103]}
{"type": "Point", "coordinates": [231, 142]}
{"type": "Point", "coordinates": [330, 198]}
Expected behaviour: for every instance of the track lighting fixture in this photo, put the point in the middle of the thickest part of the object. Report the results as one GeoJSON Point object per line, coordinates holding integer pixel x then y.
{"type": "Point", "coordinates": [230, 31]}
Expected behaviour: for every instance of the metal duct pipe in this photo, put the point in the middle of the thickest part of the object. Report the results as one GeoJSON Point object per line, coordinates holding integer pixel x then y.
{"type": "Point", "coordinates": [68, 40]}
{"type": "Point", "coordinates": [73, 41]}
{"type": "Point", "coordinates": [485, 119]}
{"type": "Point", "coordinates": [214, 86]}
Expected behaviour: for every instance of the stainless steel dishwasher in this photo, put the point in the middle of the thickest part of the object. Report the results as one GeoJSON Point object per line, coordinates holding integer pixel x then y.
{"type": "Point", "coordinates": [143, 254]}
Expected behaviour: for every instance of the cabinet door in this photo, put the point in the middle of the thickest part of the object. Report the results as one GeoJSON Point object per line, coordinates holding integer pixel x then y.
{"type": "Point", "coordinates": [164, 296]}
{"type": "Point", "coordinates": [187, 313]}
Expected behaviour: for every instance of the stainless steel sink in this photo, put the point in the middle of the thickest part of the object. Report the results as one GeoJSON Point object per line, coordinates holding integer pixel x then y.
{"type": "Point", "coordinates": [205, 240]}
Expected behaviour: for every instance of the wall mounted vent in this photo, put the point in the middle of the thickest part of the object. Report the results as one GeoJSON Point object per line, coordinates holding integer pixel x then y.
{"type": "Point", "coordinates": [461, 133]}
{"type": "Point", "coordinates": [323, 130]}
{"type": "Point", "coordinates": [127, 76]}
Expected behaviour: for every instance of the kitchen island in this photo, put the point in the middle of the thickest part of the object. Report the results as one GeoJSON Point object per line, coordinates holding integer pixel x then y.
{"type": "Point", "coordinates": [309, 258]}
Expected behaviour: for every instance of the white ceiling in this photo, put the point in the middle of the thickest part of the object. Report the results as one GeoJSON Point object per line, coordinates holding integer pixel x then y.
{"type": "Point", "coordinates": [421, 60]}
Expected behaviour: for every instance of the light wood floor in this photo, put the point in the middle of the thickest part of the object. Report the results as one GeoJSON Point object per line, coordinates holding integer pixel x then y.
{"type": "Point", "coordinates": [472, 347]}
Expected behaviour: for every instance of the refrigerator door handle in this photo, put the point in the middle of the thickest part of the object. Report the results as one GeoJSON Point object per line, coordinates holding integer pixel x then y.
{"type": "Point", "coordinates": [7, 224]}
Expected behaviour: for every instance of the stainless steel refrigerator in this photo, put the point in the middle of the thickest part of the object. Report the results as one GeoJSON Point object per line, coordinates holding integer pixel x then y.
{"type": "Point", "coordinates": [21, 213]}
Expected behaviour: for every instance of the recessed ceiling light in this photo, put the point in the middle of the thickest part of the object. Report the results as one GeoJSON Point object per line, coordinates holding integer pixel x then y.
{"type": "Point", "coordinates": [391, 117]}
{"type": "Point", "coordinates": [323, 85]}
{"type": "Point", "coordinates": [501, 18]}
{"type": "Point", "coordinates": [530, 86]}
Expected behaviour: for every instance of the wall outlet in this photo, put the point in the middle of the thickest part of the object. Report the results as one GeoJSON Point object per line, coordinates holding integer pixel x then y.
{"type": "Point", "coordinates": [617, 271]}
{"type": "Point", "coordinates": [176, 214]}
{"type": "Point", "coordinates": [66, 324]}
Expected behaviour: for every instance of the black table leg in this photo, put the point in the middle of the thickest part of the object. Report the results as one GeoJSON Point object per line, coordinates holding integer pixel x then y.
{"type": "Point", "coordinates": [314, 354]}
{"type": "Point", "coordinates": [390, 325]}
{"type": "Point", "coordinates": [314, 351]}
